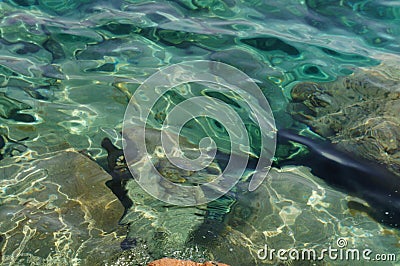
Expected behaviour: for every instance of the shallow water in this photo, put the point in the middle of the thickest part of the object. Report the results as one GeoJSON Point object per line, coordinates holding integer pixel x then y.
{"type": "Point", "coordinates": [69, 68]}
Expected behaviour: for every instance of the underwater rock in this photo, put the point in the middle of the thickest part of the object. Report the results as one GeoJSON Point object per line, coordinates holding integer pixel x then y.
{"type": "Point", "coordinates": [18, 25]}
{"type": "Point", "coordinates": [57, 210]}
{"type": "Point", "coordinates": [359, 112]}
{"type": "Point", "coordinates": [10, 148]}
{"type": "Point", "coordinates": [136, 255]}
{"type": "Point", "coordinates": [175, 262]}
{"type": "Point", "coordinates": [10, 109]}
{"type": "Point", "coordinates": [366, 179]}
{"type": "Point", "coordinates": [293, 209]}
{"type": "Point", "coordinates": [61, 7]}
{"type": "Point", "coordinates": [163, 227]}
{"type": "Point", "coordinates": [272, 44]}
{"type": "Point", "coordinates": [55, 48]}
{"type": "Point", "coordinates": [118, 48]}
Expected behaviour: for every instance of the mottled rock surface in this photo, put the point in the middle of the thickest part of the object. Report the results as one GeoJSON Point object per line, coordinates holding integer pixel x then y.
{"type": "Point", "coordinates": [293, 209]}
{"type": "Point", "coordinates": [174, 262]}
{"type": "Point", "coordinates": [57, 210]}
{"type": "Point", "coordinates": [164, 228]}
{"type": "Point", "coordinates": [360, 112]}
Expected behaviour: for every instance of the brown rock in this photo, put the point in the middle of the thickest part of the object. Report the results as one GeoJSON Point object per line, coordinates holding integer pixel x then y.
{"type": "Point", "coordinates": [175, 262]}
{"type": "Point", "coordinates": [359, 112]}
{"type": "Point", "coordinates": [57, 209]}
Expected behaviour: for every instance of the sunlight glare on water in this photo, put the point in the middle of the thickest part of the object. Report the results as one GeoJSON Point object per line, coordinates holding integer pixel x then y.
{"type": "Point", "coordinates": [68, 70]}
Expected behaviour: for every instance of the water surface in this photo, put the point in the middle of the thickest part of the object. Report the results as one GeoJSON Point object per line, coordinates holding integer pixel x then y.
{"type": "Point", "coordinates": [68, 69]}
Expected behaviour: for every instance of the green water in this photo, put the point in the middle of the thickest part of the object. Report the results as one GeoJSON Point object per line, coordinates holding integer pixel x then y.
{"type": "Point", "coordinates": [69, 68]}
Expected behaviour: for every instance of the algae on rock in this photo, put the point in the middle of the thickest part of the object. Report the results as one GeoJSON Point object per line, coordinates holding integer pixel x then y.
{"type": "Point", "coordinates": [360, 112]}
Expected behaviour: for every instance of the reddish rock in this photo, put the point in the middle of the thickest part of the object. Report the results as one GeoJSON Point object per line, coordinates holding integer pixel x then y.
{"type": "Point", "coordinates": [174, 262]}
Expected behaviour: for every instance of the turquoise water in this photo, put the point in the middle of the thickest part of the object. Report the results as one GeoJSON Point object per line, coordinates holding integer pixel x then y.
{"type": "Point", "coordinates": [69, 68]}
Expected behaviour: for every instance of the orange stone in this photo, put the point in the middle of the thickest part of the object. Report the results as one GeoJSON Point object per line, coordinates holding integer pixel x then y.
{"type": "Point", "coordinates": [175, 262]}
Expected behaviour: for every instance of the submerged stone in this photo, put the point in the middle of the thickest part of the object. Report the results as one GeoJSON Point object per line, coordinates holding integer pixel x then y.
{"type": "Point", "coordinates": [294, 210]}
{"type": "Point", "coordinates": [291, 209]}
{"type": "Point", "coordinates": [164, 228]}
{"type": "Point", "coordinates": [359, 112]}
{"type": "Point", "coordinates": [10, 109]}
{"type": "Point", "coordinates": [57, 210]}
{"type": "Point", "coordinates": [174, 262]}
{"type": "Point", "coordinates": [359, 177]}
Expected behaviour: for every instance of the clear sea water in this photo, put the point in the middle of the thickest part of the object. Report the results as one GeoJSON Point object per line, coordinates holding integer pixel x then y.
{"type": "Point", "coordinates": [68, 69]}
